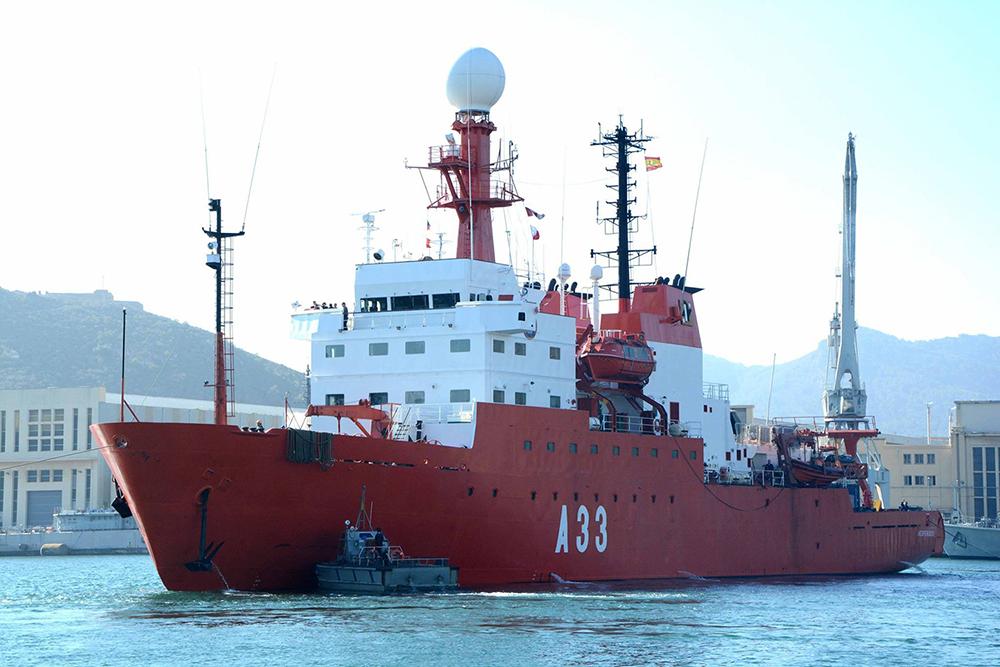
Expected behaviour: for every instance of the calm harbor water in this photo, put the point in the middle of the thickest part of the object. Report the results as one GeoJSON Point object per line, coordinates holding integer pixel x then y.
{"type": "Point", "coordinates": [112, 610]}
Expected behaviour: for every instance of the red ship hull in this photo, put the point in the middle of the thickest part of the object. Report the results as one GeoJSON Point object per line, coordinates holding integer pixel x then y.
{"type": "Point", "coordinates": [495, 510]}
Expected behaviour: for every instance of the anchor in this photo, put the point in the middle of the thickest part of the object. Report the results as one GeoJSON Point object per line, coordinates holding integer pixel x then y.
{"type": "Point", "coordinates": [205, 552]}
{"type": "Point", "coordinates": [120, 503]}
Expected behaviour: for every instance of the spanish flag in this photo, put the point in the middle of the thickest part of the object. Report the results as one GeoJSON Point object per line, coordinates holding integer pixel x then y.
{"type": "Point", "coordinates": [653, 163]}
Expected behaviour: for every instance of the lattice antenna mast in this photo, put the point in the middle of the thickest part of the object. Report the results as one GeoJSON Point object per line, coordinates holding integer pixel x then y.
{"type": "Point", "coordinates": [369, 228]}
{"type": "Point", "coordinates": [619, 145]}
{"type": "Point", "coordinates": [220, 260]}
{"type": "Point", "coordinates": [845, 401]}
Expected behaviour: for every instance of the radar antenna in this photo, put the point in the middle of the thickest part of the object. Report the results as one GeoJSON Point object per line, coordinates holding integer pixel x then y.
{"type": "Point", "coordinates": [369, 228]}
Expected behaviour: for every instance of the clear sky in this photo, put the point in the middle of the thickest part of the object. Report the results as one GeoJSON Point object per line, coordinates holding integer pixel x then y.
{"type": "Point", "coordinates": [102, 165]}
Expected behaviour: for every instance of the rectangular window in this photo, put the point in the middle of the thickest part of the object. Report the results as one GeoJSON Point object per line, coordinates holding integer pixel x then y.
{"type": "Point", "coordinates": [1, 500]}
{"type": "Point", "coordinates": [446, 300]}
{"type": "Point", "coordinates": [378, 304]}
{"type": "Point", "coordinates": [555, 401]}
{"type": "Point", "coordinates": [694, 455]}
{"type": "Point", "coordinates": [13, 496]}
{"type": "Point", "coordinates": [931, 480]}
{"type": "Point", "coordinates": [930, 459]}
{"type": "Point", "coordinates": [72, 489]}
{"type": "Point", "coordinates": [675, 454]}
{"type": "Point", "coordinates": [654, 452]}
{"type": "Point", "coordinates": [76, 428]}
{"type": "Point", "coordinates": [461, 345]}
{"type": "Point", "coordinates": [520, 349]}
{"type": "Point", "coordinates": [32, 476]}
{"type": "Point", "coordinates": [410, 302]}
{"type": "Point", "coordinates": [498, 396]}
{"type": "Point", "coordinates": [527, 445]}
{"type": "Point", "coordinates": [919, 480]}
{"type": "Point", "coordinates": [616, 450]}
{"type": "Point", "coordinates": [378, 397]}
{"type": "Point", "coordinates": [572, 448]}
{"type": "Point", "coordinates": [459, 396]}
{"type": "Point", "coordinates": [907, 459]}
{"type": "Point", "coordinates": [415, 347]}
{"type": "Point", "coordinates": [593, 449]}
{"type": "Point", "coordinates": [520, 398]}
{"type": "Point", "coordinates": [414, 397]}
{"type": "Point", "coordinates": [635, 451]}
{"type": "Point", "coordinates": [44, 475]}
{"type": "Point", "coordinates": [86, 489]}
{"type": "Point", "coordinates": [918, 458]}
{"type": "Point", "coordinates": [907, 480]}
{"type": "Point", "coordinates": [58, 436]}
{"type": "Point", "coordinates": [334, 399]}
{"type": "Point", "coordinates": [498, 345]}
{"type": "Point", "coordinates": [550, 446]}
{"type": "Point", "coordinates": [17, 435]}
{"type": "Point", "coordinates": [378, 349]}
{"type": "Point", "coordinates": [334, 351]}
{"type": "Point", "coordinates": [57, 475]}
{"type": "Point", "coordinates": [90, 436]}
{"type": "Point", "coordinates": [555, 353]}
{"type": "Point", "coordinates": [3, 430]}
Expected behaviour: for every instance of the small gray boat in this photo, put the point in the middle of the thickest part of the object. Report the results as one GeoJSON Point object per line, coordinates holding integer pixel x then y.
{"type": "Point", "coordinates": [369, 564]}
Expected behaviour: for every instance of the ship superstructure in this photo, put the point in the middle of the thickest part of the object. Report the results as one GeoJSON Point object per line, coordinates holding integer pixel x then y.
{"type": "Point", "coordinates": [499, 424]}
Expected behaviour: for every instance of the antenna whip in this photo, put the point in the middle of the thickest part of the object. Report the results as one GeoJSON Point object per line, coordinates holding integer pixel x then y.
{"type": "Point", "coordinates": [694, 214]}
{"type": "Point", "coordinates": [253, 171]}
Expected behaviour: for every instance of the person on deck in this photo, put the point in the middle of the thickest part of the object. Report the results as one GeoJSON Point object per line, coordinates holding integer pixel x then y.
{"type": "Point", "coordinates": [343, 305]}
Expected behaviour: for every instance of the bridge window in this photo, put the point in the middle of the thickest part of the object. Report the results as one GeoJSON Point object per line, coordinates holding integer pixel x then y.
{"type": "Point", "coordinates": [410, 302]}
{"type": "Point", "coordinates": [520, 398]}
{"type": "Point", "coordinates": [378, 349]}
{"type": "Point", "coordinates": [378, 304]}
{"type": "Point", "coordinates": [520, 349]}
{"type": "Point", "coordinates": [461, 345]}
{"type": "Point", "coordinates": [555, 353]}
{"type": "Point", "coordinates": [459, 395]}
{"type": "Point", "coordinates": [378, 397]}
{"type": "Point", "coordinates": [334, 351]}
{"type": "Point", "coordinates": [415, 347]}
{"type": "Point", "coordinates": [498, 345]}
{"type": "Point", "coordinates": [334, 399]}
{"type": "Point", "coordinates": [555, 401]}
{"type": "Point", "coordinates": [446, 300]}
{"type": "Point", "coordinates": [414, 397]}
{"type": "Point", "coordinates": [498, 396]}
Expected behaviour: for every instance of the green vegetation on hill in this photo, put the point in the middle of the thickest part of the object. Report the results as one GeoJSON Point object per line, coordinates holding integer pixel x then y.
{"type": "Point", "coordinates": [74, 340]}
{"type": "Point", "coordinates": [900, 377]}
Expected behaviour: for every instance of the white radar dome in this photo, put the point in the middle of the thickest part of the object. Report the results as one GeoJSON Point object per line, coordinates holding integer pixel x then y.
{"type": "Point", "coordinates": [596, 272]}
{"type": "Point", "coordinates": [476, 81]}
{"type": "Point", "coordinates": [564, 272]}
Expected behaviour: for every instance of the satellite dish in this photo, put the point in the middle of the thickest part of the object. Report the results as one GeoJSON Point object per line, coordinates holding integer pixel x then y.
{"type": "Point", "coordinates": [476, 81]}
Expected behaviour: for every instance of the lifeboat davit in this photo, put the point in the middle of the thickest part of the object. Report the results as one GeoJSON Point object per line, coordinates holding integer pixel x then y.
{"type": "Point", "coordinates": [617, 358]}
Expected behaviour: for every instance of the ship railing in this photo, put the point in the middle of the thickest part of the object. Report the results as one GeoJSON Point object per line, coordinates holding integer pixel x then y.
{"type": "Point", "coordinates": [440, 413]}
{"type": "Point", "coordinates": [725, 476]}
{"type": "Point", "coordinates": [715, 390]}
{"type": "Point", "coordinates": [610, 333]}
{"type": "Point", "coordinates": [649, 426]}
{"type": "Point", "coordinates": [446, 153]}
{"type": "Point", "coordinates": [494, 189]}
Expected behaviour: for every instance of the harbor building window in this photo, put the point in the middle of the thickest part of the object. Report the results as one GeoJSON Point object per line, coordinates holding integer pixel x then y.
{"type": "Point", "coordinates": [90, 420]}
{"type": "Point", "coordinates": [908, 480]}
{"type": "Point", "coordinates": [46, 430]}
{"type": "Point", "coordinates": [931, 480]}
{"type": "Point", "coordinates": [334, 399]}
{"type": "Point", "coordinates": [334, 351]}
{"type": "Point", "coordinates": [32, 476]}
{"type": "Point", "coordinates": [555, 353]}
{"type": "Point", "coordinates": [459, 396]}
{"type": "Point", "coordinates": [414, 397]}
{"type": "Point", "coordinates": [3, 430]}
{"type": "Point", "coordinates": [918, 459]}
{"type": "Point", "coordinates": [86, 489]}
{"type": "Point", "coordinates": [984, 481]}
{"type": "Point", "coordinates": [907, 459]}
{"type": "Point", "coordinates": [57, 475]}
{"type": "Point", "coordinates": [555, 401]}
{"type": "Point", "coordinates": [44, 475]}
{"type": "Point", "coordinates": [378, 397]}
{"type": "Point", "coordinates": [378, 349]}
{"type": "Point", "coordinates": [446, 300]}
{"type": "Point", "coordinates": [415, 347]}
{"type": "Point", "coordinates": [76, 429]}
{"type": "Point", "coordinates": [930, 459]}
{"type": "Point", "coordinates": [498, 346]}
{"type": "Point", "coordinates": [498, 396]}
{"type": "Point", "coordinates": [17, 434]}
{"type": "Point", "coordinates": [520, 398]}
{"type": "Point", "coordinates": [72, 489]}
{"type": "Point", "coordinates": [918, 480]}
{"type": "Point", "coordinates": [520, 349]}
{"type": "Point", "coordinates": [461, 345]}
{"type": "Point", "coordinates": [410, 302]}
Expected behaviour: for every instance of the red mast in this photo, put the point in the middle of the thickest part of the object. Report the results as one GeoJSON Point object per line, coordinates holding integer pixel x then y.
{"type": "Point", "coordinates": [475, 84]}
{"type": "Point", "coordinates": [218, 261]}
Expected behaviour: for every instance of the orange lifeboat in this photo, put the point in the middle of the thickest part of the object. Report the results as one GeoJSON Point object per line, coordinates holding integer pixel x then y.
{"type": "Point", "coordinates": [617, 358]}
